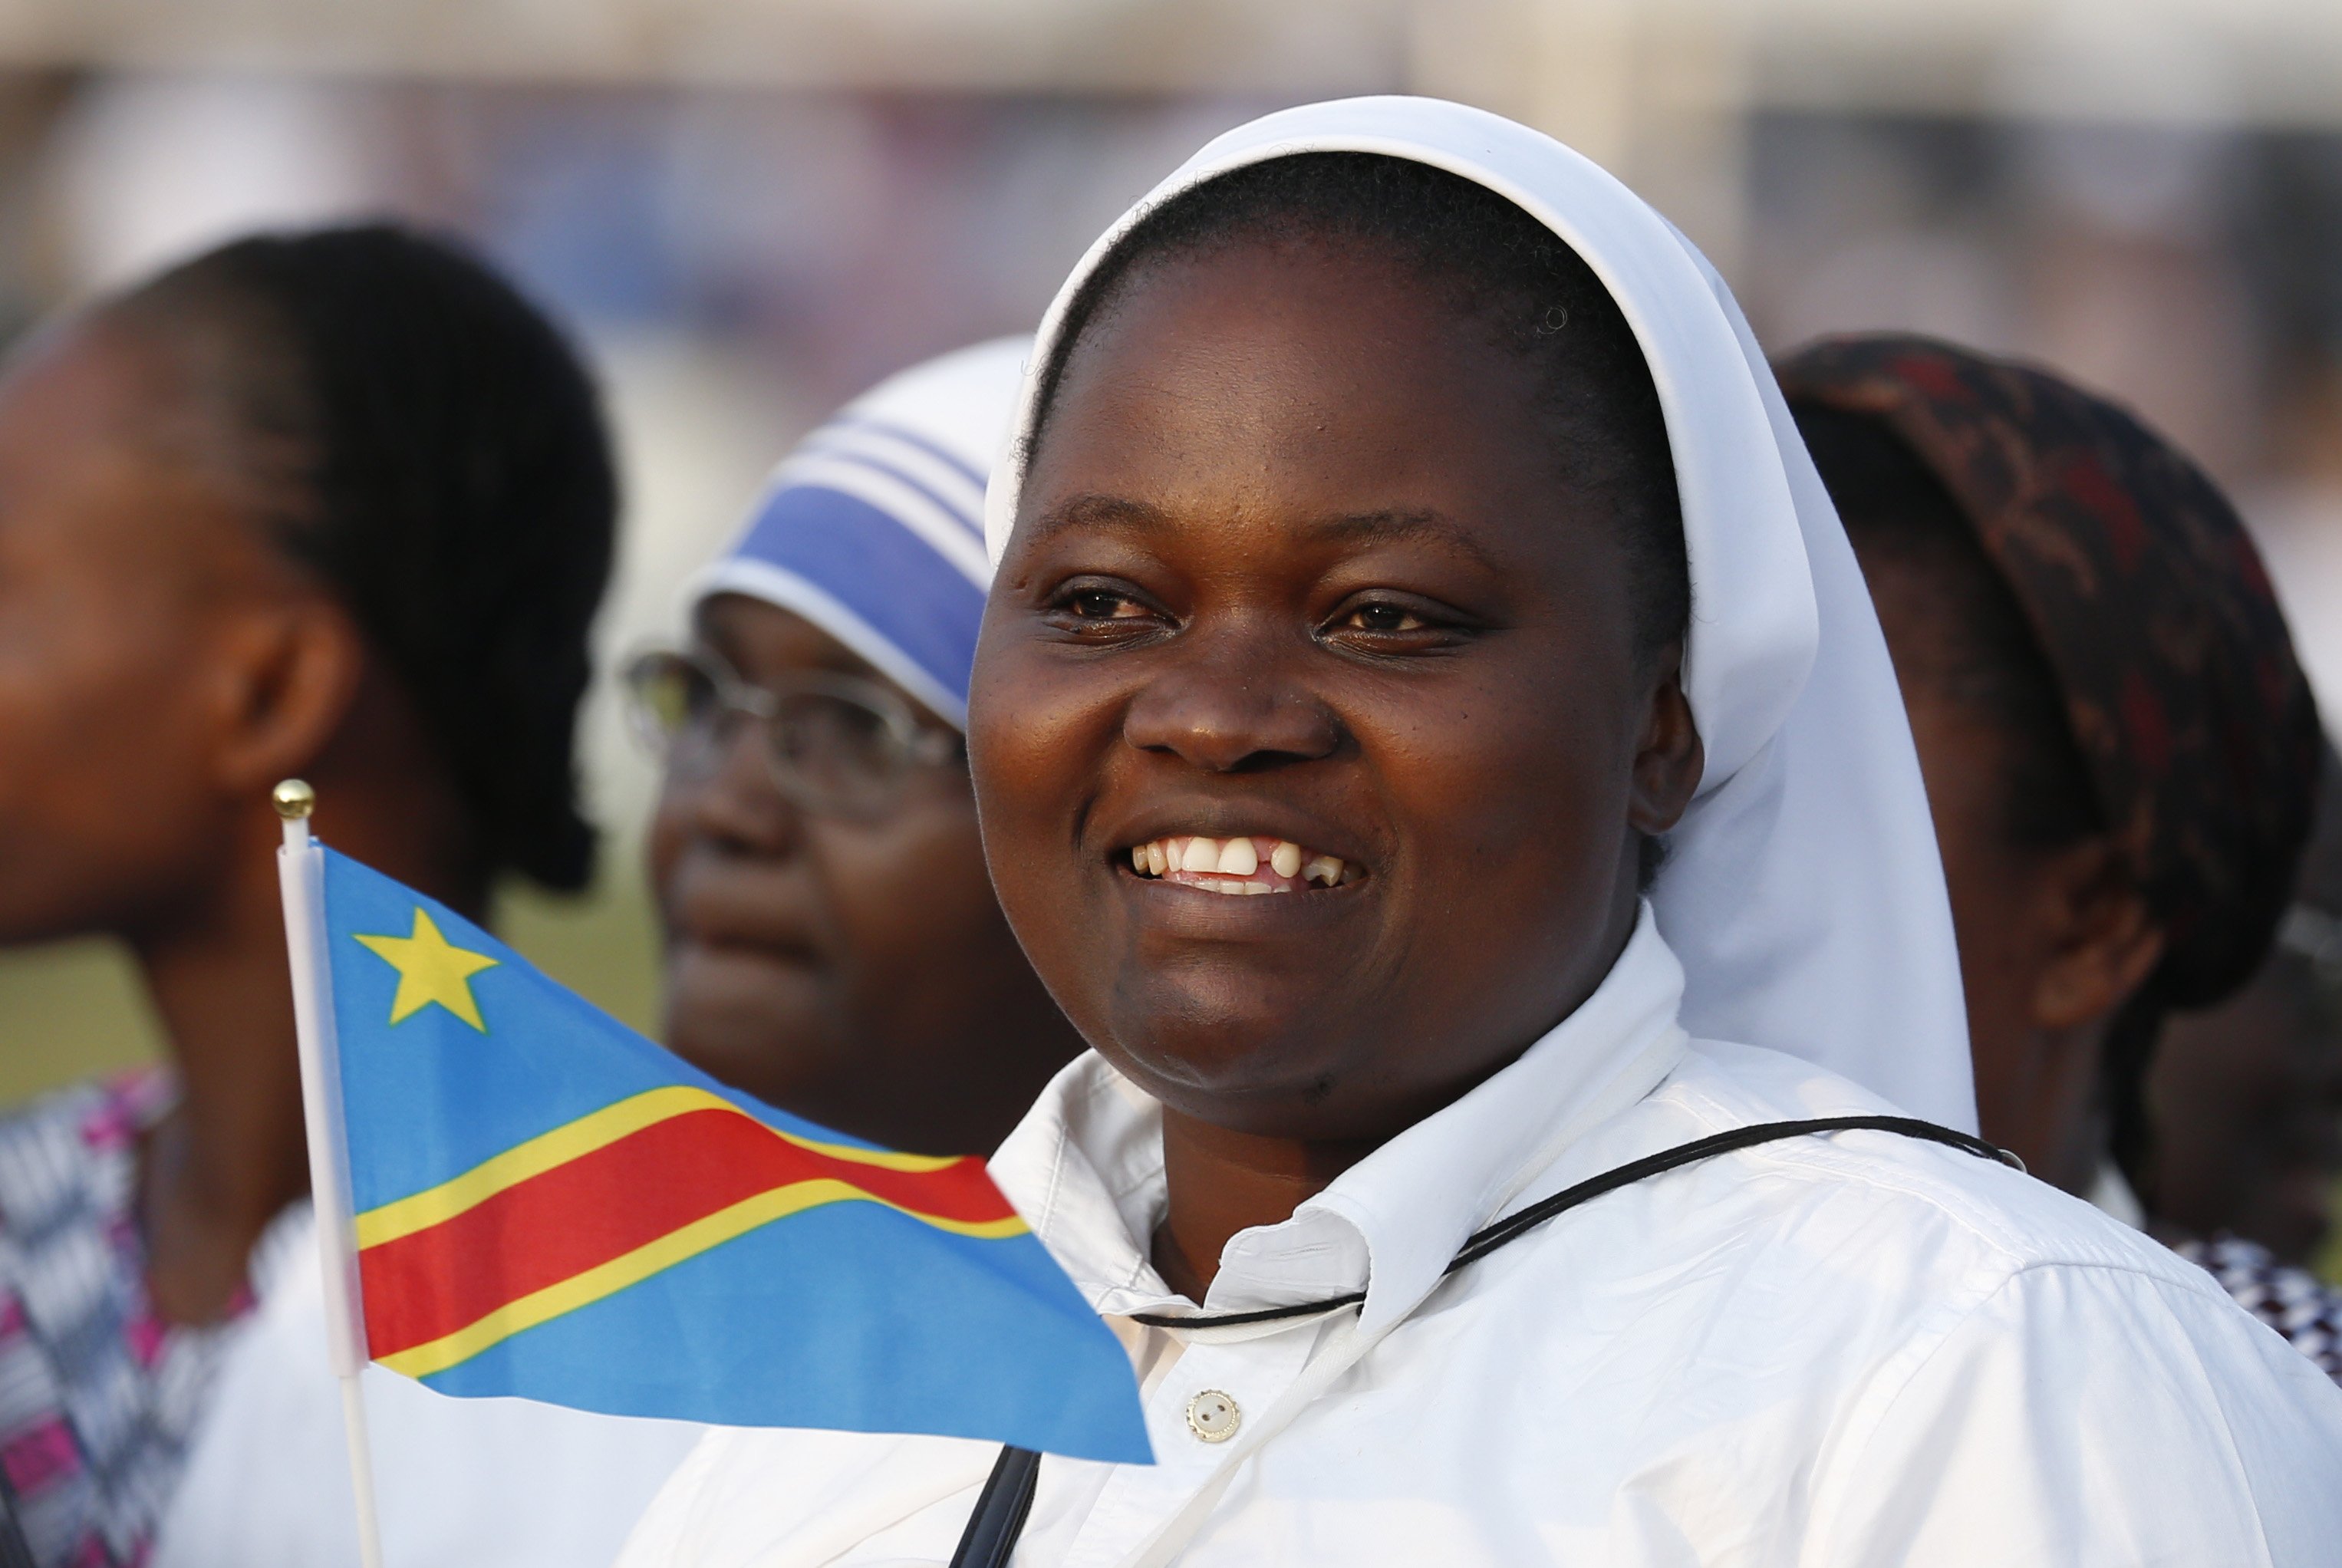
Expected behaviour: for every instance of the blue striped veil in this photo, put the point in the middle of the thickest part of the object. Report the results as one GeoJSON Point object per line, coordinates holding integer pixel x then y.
{"type": "Point", "coordinates": [872, 528]}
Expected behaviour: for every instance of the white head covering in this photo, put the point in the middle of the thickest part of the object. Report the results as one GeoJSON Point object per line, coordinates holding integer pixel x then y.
{"type": "Point", "coordinates": [1802, 890]}
{"type": "Point", "coordinates": [872, 528]}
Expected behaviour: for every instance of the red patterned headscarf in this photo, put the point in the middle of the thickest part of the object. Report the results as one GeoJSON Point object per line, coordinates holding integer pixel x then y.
{"type": "Point", "coordinates": [2155, 614]}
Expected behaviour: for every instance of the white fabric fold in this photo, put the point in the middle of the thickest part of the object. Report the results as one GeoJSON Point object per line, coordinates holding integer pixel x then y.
{"type": "Point", "coordinates": [1803, 893]}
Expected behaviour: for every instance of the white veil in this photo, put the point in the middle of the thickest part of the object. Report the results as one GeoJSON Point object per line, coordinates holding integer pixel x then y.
{"type": "Point", "coordinates": [1802, 892]}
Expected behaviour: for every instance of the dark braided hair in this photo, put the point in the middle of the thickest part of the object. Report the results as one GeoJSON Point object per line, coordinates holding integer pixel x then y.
{"type": "Point", "coordinates": [420, 437]}
{"type": "Point", "coordinates": [1501, 271]}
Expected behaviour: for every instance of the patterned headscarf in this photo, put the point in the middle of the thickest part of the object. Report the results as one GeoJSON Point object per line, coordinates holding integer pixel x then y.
{"type": "Point", "coordinates": [2155, 613]}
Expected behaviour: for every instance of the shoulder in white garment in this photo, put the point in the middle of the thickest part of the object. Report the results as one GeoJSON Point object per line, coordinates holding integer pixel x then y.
{"type": "Point", "coordinates": [1850, 1351]}
{"type": "Point", "coordinates": [462, 1482]}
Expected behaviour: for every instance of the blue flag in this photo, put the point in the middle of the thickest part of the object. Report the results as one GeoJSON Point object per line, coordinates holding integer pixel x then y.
{"type": "Point", "coordinates": [546, 1203]}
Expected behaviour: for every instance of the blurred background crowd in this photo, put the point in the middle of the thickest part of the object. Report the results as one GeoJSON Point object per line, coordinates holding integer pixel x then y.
{"type": "Point", "coordinates": [748, 211]}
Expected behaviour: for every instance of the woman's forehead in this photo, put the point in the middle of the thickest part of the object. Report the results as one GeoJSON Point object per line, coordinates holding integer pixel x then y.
{"type": "Point", "coordinates": [99, 467]}
{"type": "Point", "coordinates": [1293, 379]}
{"type": "Point", "coordinates": [761, 636]}
{"type": "Point", "coordinates": [1335, 300]}
{"type": "Point", "coordinates": [762, 640]}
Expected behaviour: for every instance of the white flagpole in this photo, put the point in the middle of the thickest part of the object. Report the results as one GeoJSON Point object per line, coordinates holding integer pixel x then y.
{"type": "Point", "coordinates": [301, 876]}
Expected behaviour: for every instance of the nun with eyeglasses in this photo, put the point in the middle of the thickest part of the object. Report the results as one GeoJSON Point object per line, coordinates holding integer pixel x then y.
{"type": "Point", "coordinates": [1431, 736]}
{"type": "Point", "coordinates": [834, 945]}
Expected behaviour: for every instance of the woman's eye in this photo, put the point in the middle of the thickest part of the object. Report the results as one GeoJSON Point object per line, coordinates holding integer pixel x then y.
{"type": "Point", "coordinates": [1384, 618]}
{"type": "Point", "coordinates": [1102, 604]}
{"type": "Point", "coordinates": [1099, 610]}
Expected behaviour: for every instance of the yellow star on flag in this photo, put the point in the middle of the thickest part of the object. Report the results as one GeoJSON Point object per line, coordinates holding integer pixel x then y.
{"type": "Point", "coordinates": [431, 969]}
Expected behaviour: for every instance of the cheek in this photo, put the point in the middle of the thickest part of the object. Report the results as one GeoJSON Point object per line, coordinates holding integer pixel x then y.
{"type": "Point", "coordinates": [1040, 730]}
{"type": "Point", "coordinates": [1992, 912]}
{"type": "Point", "coordinates": [1505, 786]}
{"type": "Point", "coordinates": [1508, 816]}
{"type": "Point", "coordinates": [96, 657]}
{"type": "Point", "coordinates": [1999, 947]}
{"type": "Point", "coordinates": [669, 834]}
{"type": "Point", "coordinates": [1027, 704]}
{"type": "Point", "coordinates": [908, 896]}
{"type": "Point", "coordinates": [102, 764]}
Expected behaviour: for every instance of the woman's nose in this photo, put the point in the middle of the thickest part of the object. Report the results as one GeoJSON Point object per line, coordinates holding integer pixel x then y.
{"type": "Point", "coordinates": [1231, 703]}
{"type": "Point", "coordinates": [733, 798]}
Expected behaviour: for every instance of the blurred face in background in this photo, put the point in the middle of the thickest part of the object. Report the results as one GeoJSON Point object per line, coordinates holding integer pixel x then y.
{"type": "Point", "coordinates": [834, 945]}
{"type": "Point", "coordinates": [134, 596]}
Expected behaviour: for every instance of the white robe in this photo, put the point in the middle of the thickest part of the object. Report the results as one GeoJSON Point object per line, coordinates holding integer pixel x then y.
{"type": "Point", "coordinates": [1857, 1350]}
{"type": "Point", "coordinates": [462, 1482]}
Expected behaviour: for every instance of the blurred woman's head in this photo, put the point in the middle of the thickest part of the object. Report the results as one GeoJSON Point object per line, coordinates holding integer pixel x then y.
{"type": "Point", "coordinates": [337, 504]}
{"type": "Point", "coordinates": [2118, 745]}
{"type": "Point", "coordinates": [832, 944]}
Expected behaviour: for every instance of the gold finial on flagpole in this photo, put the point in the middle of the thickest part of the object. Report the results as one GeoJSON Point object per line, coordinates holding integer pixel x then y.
{"type": "Point", "coordinates": [294, 799]}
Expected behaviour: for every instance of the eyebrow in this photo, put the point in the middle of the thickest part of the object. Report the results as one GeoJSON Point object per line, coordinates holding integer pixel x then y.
{"type": "Point", "coordinates": [1413, 527]}
{"type": "Point", "coordinates": [1112, 513]}
{"type": "Point", "coordinates": [1121, 515]}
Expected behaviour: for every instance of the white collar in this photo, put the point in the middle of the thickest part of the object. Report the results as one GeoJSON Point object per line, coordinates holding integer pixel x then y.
{"type": "Point", "coordinates": [1085, 1165]}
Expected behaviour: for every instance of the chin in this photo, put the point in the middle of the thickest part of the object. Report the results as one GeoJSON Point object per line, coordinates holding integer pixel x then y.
{"type": "Point", "coordinates": [31, 916]}
{"type": "Point", "coordinates": [1273, 1070]}
{"type": "Point", "coordinates": [769, 1034]}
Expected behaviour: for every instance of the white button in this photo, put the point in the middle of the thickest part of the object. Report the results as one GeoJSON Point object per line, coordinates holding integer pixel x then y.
{"type": "Point", "coordinates": [1213, 1416]}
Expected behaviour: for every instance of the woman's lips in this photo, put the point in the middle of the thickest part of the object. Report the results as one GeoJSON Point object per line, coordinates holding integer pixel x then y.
{"type": "Point", "coordinates": [782, 952]}
{"type": "Point", "coordinates": [716, 907]}
{"type": "Point", "coordinates": [1246, 864]}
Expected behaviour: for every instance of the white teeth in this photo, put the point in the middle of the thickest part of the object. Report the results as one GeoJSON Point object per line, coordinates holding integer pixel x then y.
{"type": "Point", "coordinates": [1234, 866]}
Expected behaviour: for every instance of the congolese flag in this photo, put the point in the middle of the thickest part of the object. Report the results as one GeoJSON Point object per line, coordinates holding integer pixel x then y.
{"type": "Point", "coordinates": [545, 1204]}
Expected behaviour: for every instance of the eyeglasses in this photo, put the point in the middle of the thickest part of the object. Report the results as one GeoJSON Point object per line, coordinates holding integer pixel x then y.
{"type": "Point", "coordinates": [835, 744]}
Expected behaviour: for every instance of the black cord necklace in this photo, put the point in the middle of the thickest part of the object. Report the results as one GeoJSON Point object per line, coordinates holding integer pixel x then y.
{"type": "Point", "coordinates": [1001, 1507]}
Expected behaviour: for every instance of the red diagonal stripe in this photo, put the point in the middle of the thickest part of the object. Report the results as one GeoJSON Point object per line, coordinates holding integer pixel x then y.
{"type": "Point", "coordinates": [605, 1204]}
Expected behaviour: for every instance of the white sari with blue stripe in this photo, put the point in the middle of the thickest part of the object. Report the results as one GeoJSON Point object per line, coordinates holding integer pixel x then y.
{"type": "Point", "coordinates": [872, 528]}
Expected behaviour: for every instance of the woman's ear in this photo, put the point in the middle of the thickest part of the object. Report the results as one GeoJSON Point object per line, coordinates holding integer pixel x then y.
{"type": "Point", "coordinates": [2102, 940]}
{"type": "Point", "coordinates": [287, 673]}
{"type": "Point", "coordinates": [1669, 757]}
